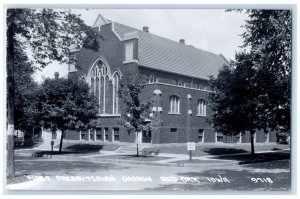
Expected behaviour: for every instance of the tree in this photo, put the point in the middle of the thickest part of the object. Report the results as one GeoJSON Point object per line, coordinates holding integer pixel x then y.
{"type": "Point", "coordinates": [269, 36]}
{"type": "Point", "coordinates": [254, 92]}
{"type": "Point", "coordinates": [66, 104]}
{"type": "Point", "coordinates": [139, 116]}
{"type": "Point", "coordinates": [234, 102]}
{"type": "Point", "coordinates": [48, 34]}
{"type": "Point", "coordinates": [26, 88]}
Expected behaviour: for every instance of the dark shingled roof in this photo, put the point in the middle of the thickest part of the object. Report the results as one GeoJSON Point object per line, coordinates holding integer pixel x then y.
{"type": "Point", "coordinates": [163, 54]}
{"type": "Point", "coordinates": [167, 55]}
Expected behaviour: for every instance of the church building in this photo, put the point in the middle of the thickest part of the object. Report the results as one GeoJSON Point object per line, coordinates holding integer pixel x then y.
{"type": "Point", "coordinates": [177, 77]}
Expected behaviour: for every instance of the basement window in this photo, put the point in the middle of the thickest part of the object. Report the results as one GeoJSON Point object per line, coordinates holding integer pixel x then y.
{"type": "Point", "coordinates": [173, 130]}
{"type": "Point", "coordinates": [219, 137]}
{"type": "Point", "coordinates": [201, 135]}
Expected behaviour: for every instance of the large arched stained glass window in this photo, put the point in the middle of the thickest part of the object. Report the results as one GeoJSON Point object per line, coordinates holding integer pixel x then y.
{"type": "Point", "coordinates": [99, 84]}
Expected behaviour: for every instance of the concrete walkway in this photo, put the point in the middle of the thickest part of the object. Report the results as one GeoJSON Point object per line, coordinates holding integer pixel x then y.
{"type": "Point", "coordinates": [171, 158]}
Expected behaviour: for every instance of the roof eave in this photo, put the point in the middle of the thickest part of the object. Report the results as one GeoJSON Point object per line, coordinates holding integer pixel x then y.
{"type": "Point", "coordinates": [171, 72]}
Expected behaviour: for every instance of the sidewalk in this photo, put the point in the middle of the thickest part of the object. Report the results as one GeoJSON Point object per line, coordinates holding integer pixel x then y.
{"type": "Point", "coordinates": [159, 159]}
{"type": "Point", "coordinates": [179, 159]}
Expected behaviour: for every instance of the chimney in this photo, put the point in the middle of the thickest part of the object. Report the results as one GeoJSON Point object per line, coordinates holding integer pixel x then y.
{"type": "Point", "coordinates": [56, 75]}
{"type": "Point", "coordinates": [181, 41]}
{"type": "Point", "coordinates": [146, 29]}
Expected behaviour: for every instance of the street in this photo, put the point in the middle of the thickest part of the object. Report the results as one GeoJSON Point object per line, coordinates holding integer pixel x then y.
{"type": "Point", "coordinates": [58, 174]}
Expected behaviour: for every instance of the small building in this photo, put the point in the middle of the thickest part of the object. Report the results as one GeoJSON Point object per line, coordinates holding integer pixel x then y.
{"type": "Point", "coordinates": [177, 78]}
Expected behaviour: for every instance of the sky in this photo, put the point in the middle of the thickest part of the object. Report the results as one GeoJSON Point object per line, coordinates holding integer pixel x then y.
{"type": "Point", "coordinates": [213, 30]}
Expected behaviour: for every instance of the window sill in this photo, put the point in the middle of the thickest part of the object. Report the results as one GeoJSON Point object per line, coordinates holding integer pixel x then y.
{"type": "Point", "coordinates": [109, 115]}
{"type": "Point", "coordinates": [170, 113]}
{"type": "Point", "coordinates": [130, 61]}
{"type": "Point", "coordinates": [201, 115]}
{"type": "Point", "coordinates": [167, 84]}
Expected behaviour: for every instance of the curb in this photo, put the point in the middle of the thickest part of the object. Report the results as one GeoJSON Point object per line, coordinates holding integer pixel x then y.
{"type": "Point", "coordinates": [107, 160]}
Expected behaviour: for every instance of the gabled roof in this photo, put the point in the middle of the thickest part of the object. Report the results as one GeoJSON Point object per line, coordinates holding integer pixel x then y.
{"type": "Point", "coordinates": [167, 55]}
{"type": "Point", "coordinates": [100, 21]}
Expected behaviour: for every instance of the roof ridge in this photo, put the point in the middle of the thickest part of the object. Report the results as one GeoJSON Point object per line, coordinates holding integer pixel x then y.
{"type": "Point", "coordinates": [175, 42]}
{"type": "Point", "coordinates": [124, 25]}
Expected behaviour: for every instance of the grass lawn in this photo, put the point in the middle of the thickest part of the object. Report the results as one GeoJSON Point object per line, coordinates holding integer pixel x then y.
{"type": "Point", "coordinates": [88, 147]}
{"type": "Point", "coordinates": [242, 159]}
{"type": "Point", "coordinates": [29, 145]}
{"type": "Point", "coordinates": [71, 148]}
{"type": "Point", "coordinates": [133, 157]}
{"type": "Point", "coordinates": [212, 149]}
{"type": "Point", "coordinates": [261, 157]}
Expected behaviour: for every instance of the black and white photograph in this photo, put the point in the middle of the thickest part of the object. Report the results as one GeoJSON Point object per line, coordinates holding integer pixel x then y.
{"type": "Point", "coordinates": [184, 100]}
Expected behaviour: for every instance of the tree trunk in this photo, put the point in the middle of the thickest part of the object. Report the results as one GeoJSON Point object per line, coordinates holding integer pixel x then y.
{"type": "Point", "coordinates": [137, 144]}
{"type": "Point", "coordinates": [252, 142]}
{"type": "Point", "coordinates": [10, 171]}
{"type": "Point", "coordinates": [61, 141]}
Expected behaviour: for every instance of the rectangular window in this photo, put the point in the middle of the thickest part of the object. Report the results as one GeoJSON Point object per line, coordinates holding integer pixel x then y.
{"type": "Point", "coordinates": [116, 134]}
{"type": "Point", "coordinates": [219, 137]}
{"type": "Point", "coordinates": [91, 136]}
{"type": "Point", "coordinates": [129, 51]}
{"type": "Point", "coordinates": [174, 104]}
{"type": "Point", "coordinates": [180, 83]}
{"type": "Point", "coordinates": [173, 130]}
{"type": "Point", "coordinates": [98, 136]}
{"type": "Point", "coordinates": [82, 136]}
{"type": "Point", "coordinates": [152, 79]}
{"type": "Point", "coordinates": [200, 86]}
{"type": "Point", "coordinates": [106, 134]}
{"type": "Point", "coordinates": [201, 108]}
{"type": "Point", "coordinates": [201, 135]}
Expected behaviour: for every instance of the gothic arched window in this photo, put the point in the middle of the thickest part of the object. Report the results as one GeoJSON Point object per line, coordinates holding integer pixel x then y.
{"type": "Point", "coordinates": [100, 83]}
{"type": "Point", "coordinates": [116, 80]}
{"type": "Point", "coordinates": [92, 85]}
